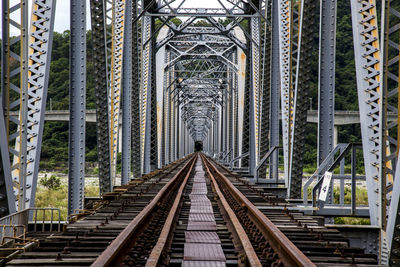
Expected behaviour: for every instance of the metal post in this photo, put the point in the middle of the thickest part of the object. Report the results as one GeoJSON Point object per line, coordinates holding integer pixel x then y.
{"type": "Point", "coordinates": [101, 85]}
{"type": "Point", "coordinates": [326, 79]}
{"type": "Point", "coordinates": [76, 161]}
{"type": "Point", "coordinates": [127, 95]}
{"type": "Point", "coordinates": [135, 107]}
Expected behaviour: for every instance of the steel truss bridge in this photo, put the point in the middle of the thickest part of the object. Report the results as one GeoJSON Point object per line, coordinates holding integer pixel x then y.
{"type": "Point", "coordinates": [173, 76]}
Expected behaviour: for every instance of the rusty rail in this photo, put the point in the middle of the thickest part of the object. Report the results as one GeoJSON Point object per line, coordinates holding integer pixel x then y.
{"type": "Point", "coordinates": [166, 231]}
{"type": "Point", "coordinates": [119, 245]}
{"type": "Point", "coordinates": [244, 239]}
{"type": "Point", "coordinates": [288, 253]}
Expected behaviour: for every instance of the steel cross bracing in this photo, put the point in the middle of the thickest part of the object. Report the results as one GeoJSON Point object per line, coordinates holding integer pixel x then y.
{"type": "Point", "coordinates": [28, 97]}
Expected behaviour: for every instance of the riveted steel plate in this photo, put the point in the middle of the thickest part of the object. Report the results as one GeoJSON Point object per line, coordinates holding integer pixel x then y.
{"type": "Point", "coordinates": [203, 252]}
{"type": "Point", "coordinates": [203, 264]}
{"type": "Point", "coordinates": [202, 237]}
{"type": "Point", "coordinates": [202, 226]}
{"type": "Point", "coordinates": [201, 217]}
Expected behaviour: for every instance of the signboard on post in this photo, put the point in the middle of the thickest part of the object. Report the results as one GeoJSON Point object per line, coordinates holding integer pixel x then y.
{"type": "Point", "coordinates": [325, 186]}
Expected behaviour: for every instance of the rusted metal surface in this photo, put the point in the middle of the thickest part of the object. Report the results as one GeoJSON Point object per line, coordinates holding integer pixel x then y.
{"type": "Point", "coordinates": [112, 251]}
{"type": "Point", "coordinates": [248, 248]}
{"type": "Point", "coordinates": [288, 253]}
{"type": "Point", "coordinates": [165, 233]}
{"type": "Point", "coordinates": [201, 246]}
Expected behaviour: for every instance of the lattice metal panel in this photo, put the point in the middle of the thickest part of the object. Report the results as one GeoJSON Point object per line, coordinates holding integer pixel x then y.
{"type": "Point", "coordinates": [145, 99]}
{"type": "Point", "coordinates": [100, 65]}
{"type": "Point", "coordinates": [390, 131]}
{"type": "Point", "coordinates": [40, 47]}
{"type": "Point", "coordinates": [15, 92]}
{"type": "Point", "coordinates": [136, 59]}
{"type": "Point", "coordinates": [265, 85]}
{"type": "Point", "coordinates": [117, 41]}
{"type": "Point", "coordinates": [285, 60]}
{"type": "Point", "coordinates": [367, 59]}
{"type": "Point", "coordinates": [302, 87]}
{"type": "Point", "coordinates": [25, 89]}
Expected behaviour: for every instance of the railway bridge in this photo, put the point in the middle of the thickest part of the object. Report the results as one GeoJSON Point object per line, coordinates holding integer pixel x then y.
{"type": "Point", "coordinates": [210, 106]}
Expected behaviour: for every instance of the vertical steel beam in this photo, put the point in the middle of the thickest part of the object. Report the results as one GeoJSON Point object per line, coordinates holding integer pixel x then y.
{"type": "Point", "coordinates": [117, 43]}
{"type": "Point", "coordinates": [302, 88]}
{"type": "Point", "coordinates": [40, 47]}
{"type": "Point", "coordinates": [390, 47]}
{"type": "Point", "coordinates": [15, 93]}
{"type": "Point", "coordinates": [254, 95]}
{"type": "Point", "coordinates": [285, 69]}
{"type": "Point", "coordinates": [135, 107]}
{"type": "Point", "coordinates": [367, 61]}
{"type": "Point", "coordinates": [100, 65]}
{"type": "Point", "coordinates": [326, 78]}
{"type": "Point", "coordinates": [76, 161]}
{"type": "Point", "coordinates": [127, 95]}
{"type": "Point", "coordinates": [146, 95]}
{"type": "Point", "coordinates": [275, 88]}
{"type": "Point", "coordinates": [266, 120]}
{"type": "Point", "coordinates": [7, 202]}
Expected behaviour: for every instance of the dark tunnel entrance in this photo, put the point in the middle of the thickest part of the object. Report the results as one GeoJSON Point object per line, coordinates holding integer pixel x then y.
{"type": "Point", "coordinates": [198, 146]}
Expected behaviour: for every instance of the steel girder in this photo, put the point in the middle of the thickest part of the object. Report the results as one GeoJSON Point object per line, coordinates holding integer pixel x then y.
{"type": "Point", "coordinates": [127, 83]}
{"type": "Point", "coordinates": [302, 87]}
{"type": "Point", "coordinates": [76, 161]}
{"type": "Point", "coordinates": [7, 203]}
{"type": "Point", "coordinates": [29, 96]}
{"type": "Point", "coordinates": [390, 135]}
{"type": "Point", "coordinates": [286, 87]}
{"type": "Point", "coordinates": [246, 115]}
{"type": "Point", "coordinates": [254, 95]}
{"type": "Point", "coordinates": [101, 85]}
{"type": "Point", "coordinates": [146, 95]}
{"type": "Point", "coordinates": [117, 44]}
{"type": "Point", "coordinates": [265, 46]}
{"type": "Point", "coordinates": [367, 59]}
{"type": "Point", "coordinates": [136, 48]}
{"type": "Point", "coordinates": [326, 84]}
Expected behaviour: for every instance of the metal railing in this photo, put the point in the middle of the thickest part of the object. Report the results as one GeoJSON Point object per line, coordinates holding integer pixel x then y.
{"type": "Point", "coordinates": [16, 224]}
{"type": "Point", "coordinates": [335, 159]}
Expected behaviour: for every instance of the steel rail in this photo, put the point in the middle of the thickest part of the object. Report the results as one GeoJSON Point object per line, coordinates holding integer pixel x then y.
{"type": "Point", "coordinates": [244, 239]}
{"type": "Point", "coordinates": [288, 253]}
{"type": "Point", "coordinates": [108, 256]}
{"type": "Point", "coordinates": [166, 231]}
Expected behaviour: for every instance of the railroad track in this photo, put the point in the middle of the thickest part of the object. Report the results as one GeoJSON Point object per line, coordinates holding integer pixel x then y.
{"type": "Point", "coordinates": [191, 213]}
{"type": "Point", "coordinates": [90, 232]}
{"type": "Point", "coordinates": [323, 246]}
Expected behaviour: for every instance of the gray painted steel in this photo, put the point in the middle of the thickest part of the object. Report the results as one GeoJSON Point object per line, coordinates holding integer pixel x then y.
{"type": "Point", "coordinates": [76, 162]}
{"type": "Point", "coordinates": [127, 95]}
{"type": "Point", "coordinates": [326, 84]}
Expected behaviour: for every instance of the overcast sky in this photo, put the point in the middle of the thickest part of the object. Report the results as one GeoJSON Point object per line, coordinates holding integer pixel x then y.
{"type": "Point", "coordinates": [62, 11]}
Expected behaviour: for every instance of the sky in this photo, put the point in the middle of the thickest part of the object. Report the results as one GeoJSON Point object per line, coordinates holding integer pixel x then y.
{"type": "Point", "coordinates": [62, 11]}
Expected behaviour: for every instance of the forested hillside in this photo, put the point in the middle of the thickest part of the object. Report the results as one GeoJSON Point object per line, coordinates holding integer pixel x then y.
{"type": "Point", "coordinates": [55, 141]}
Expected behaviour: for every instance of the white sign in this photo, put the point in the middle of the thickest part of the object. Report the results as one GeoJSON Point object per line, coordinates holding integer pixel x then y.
{"type": "Point", "coordinates": [325, 186]}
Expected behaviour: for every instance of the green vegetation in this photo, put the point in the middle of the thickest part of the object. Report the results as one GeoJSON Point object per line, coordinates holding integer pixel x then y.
{"type": "Point", "coordinates": [51, 193]}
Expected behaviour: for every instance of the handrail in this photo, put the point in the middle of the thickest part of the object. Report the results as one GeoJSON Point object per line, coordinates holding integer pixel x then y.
{"type": "Point", "coordinates": [237, 158]}
{"type": "Point", "coordinates": [271, 150]}
{"type": "Point", "coordinates": [321, 169]}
